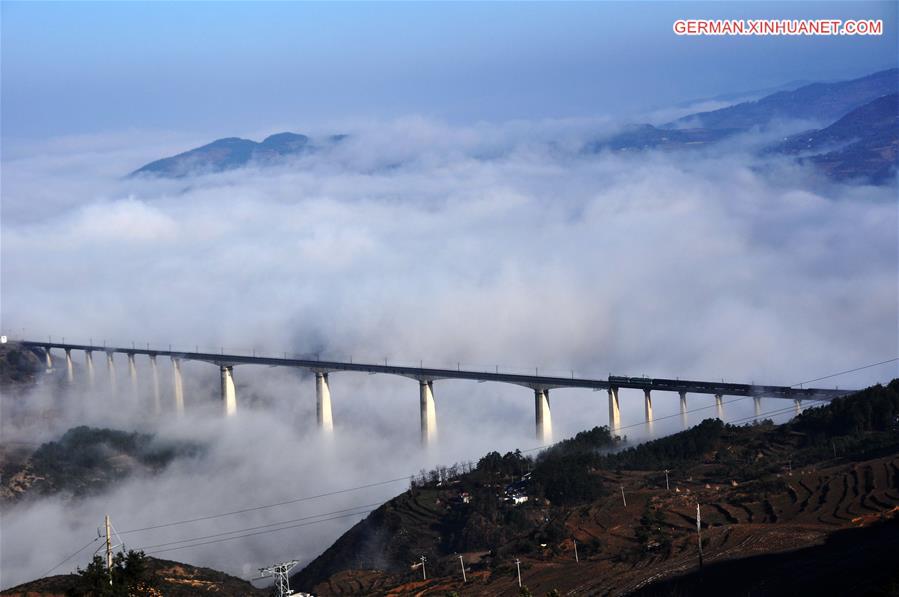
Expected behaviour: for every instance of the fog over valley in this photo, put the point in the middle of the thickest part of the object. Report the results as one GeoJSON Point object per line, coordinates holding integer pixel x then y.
{"type": "Point", "coordinates": [480, 246]}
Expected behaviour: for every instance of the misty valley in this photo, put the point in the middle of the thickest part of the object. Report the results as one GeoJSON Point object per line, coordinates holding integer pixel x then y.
{"type": "Point", "coordinates": [447, 299]}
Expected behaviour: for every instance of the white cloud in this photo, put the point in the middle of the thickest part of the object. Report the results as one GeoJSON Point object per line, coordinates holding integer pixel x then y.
{"type": "Point", "coordinates": [486, 245]}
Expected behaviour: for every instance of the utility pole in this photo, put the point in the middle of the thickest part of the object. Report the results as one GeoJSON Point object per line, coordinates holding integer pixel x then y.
{"type": "Point", "coordinates": [280, 573]}
{"type": "Point", "coordinates": [623, 500]}
{"type": "Point", "coordinates": [518, 566]}
{"type": "Point", "coordinates": [576, 559]}
{"type": "Point", "coordinates": [424, 574]}
{"type": "Point", "coordinates": [108, 548]}
{"type": "Point", "coordinates": [667, 487]}
{"type": "Point", "coordinates": [699, 534]}
{"type": "Point", "coordinates": [462, 563]}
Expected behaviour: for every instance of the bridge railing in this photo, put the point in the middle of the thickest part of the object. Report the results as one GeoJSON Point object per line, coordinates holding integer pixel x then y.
{"type": "Point", "coordinates": [553, 376]}
{"type": "Point", "coordinates": [313, 355]}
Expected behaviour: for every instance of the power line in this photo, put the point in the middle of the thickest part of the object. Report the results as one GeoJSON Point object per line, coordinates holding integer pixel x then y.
{"type": "Point", "coordinates": [281, 574]}
{"type": "Point", "coordinates": [641, 424]}
{"type": "Point", "coordinates": [264, 526]}
{"type": "Point", "coordinates": [88, 544]}
{"type": "Point", "coordinates": [847, 371]}
{"type": "Point", "coordinates": [868, 366]}
{"type": "Point", "coordinates": [263, 507]}
{"type": "Point", "coordinates": [306, 520]}
{"type": "Point", "coordinates": [304, 524]}
{"type": "Point", "coordinates": [324, 517]}
{"type": "Point", "coordinates": [367, 485]}
{"type": "Point", "coordinates": [380, 483]}
{"type": "Point", "coordinates": [773, 412]}
{"type": "Point", "coordinates": [686, 412]}
{"type": "Point", "coordinates": [692, 410]}
{"type": "Point", "coordinates": [404, 478]}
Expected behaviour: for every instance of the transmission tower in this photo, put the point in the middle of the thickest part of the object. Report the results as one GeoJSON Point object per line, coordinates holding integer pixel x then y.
{"type": "Point", "coordinates": [280, 573]}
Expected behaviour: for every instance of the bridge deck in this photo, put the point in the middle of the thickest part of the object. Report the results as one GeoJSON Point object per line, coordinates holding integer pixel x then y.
{"type": "Point", "coordinates": [427, 373]}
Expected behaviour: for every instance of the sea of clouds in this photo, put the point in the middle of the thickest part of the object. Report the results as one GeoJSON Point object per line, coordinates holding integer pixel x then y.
{"type": "Point", "coordinates": [482, 246]}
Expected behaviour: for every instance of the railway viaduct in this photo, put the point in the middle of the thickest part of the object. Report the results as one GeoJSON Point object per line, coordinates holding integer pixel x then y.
{"type": "Point", "coordinates": [425, 376]}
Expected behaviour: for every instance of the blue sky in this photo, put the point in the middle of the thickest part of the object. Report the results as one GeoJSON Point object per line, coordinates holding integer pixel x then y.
{"type": "Point", "coordinates": [225, 68]}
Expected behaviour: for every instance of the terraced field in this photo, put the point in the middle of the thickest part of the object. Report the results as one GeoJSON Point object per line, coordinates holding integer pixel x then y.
{"type": "Point", "coordinates": [738, 521]}
{"type": "Point", "coordinates": [357, 582]}
{"type": "Point", "coordinates": [400, 531]}
{"type": "Point", "coordinates": [821, 491]}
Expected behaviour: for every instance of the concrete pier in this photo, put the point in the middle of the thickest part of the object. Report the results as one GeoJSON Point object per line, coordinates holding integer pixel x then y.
{"type": "Point", "coordinates": [543, 416]}
{"type": "Point", "coordinates": [614, 411]}
{"type": "Point", "coordinates": [178, 386]}
{"type": "Point", "coordinates": [229, 394]}
{"type": "Point", "coordinates": [157, 402]}
{"type": "Point", "coordinates": [797, 406]}
{"type": "Point", "coordinates": [428, 410]}
{"type": "Point", "coordinates": [647, 405]}
{"type": "Point", "coordinates": [132, 375]}
{"type": "Point", "coordinates": [540, 384]}
{"type": "Point", "coordinates": [110, 367]}
{"type": "Point", "coordinates": [89, 365]}
{"type": "Point", "coordinates": [70, 367]}
{"type": "Point", "coordinates": [757, 404]}
{"type": "Point", "coordinates": [323, 415]}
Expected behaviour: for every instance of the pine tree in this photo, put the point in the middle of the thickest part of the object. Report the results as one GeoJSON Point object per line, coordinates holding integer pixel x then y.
{"type": "Point", "coordinates": [129, 576]}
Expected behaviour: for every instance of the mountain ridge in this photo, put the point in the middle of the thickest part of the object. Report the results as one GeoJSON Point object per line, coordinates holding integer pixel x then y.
{"type": "Point", "coordinates": [824, 102]}
{"type": "Point", "coordinates": [229, 153]}
{"type": "Point", "coordinates": [859, 111]}
{"type": "Point", "coordinates": [862, 144]}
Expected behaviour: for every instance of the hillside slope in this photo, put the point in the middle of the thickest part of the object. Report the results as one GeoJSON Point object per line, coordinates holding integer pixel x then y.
{"type": "Point", "coordinates": [763, 489]}
{"type": "Point", "coordinates": [850, 562]}
{"type": "Point", "coordinates": [864, 144]}
{"type": "Point", "coordinates": [172, 579]}
{"type": "Point", "coordinates": [822, 102]}
{"type": "Point", "coordinates": [84, 461]}
{"type": "Point", "coordinates": [19, 366]}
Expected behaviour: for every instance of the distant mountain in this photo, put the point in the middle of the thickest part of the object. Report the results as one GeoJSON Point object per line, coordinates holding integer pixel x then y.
{"type": "Point", "coordinates": [823, 102]}
{"type": "Point", "coordinates": [758, 93]}
{"type": "Point", "coordinates": [646, 136]}
{"type": "Point", "coordinates": [234, 152]}
{"type": "Point", "coordinates": [859, 144]}
{"type": "Point", "coordinates": [735, 97]}
{"type": "Point", "coordinates": [863, 144]}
